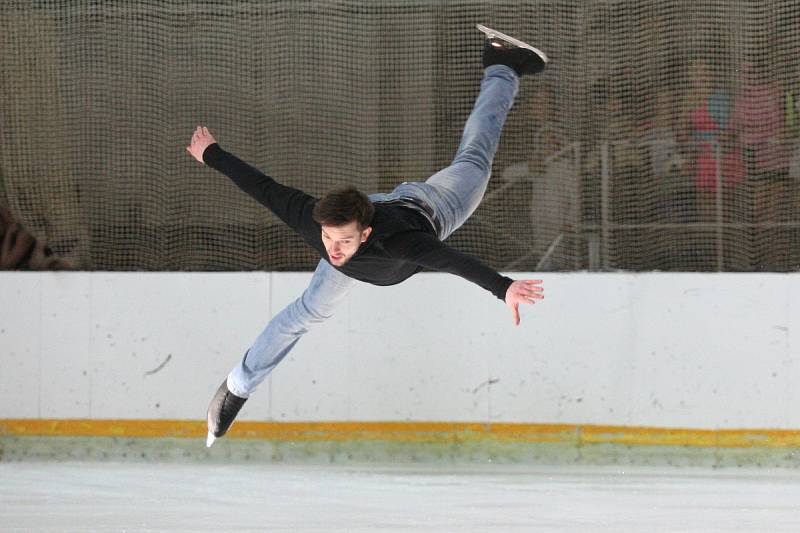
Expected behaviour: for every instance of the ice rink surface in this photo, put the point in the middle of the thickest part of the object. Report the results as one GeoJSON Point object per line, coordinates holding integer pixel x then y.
{"type": "Point", "coordinates": [170, 497]}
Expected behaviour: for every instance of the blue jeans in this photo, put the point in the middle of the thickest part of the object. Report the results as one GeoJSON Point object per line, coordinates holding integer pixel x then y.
{"type": "Point", "coordinates": [453, 193]}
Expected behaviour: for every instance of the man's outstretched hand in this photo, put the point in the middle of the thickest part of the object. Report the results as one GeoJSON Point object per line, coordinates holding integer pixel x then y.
{"type": "Point", "coordinates": [523, 292]}
{"type": "Point", "coordinates": [201, 139]}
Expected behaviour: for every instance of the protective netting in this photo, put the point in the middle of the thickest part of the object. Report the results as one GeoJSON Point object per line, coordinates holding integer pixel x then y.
{"type": "Point", "coordinates": [663, 135]}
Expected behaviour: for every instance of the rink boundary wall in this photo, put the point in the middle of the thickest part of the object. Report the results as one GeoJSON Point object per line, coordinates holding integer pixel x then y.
{"type": "Point", "coordinates": [410, 432]}
{"type": "Point", "coordinates": [668, 365]}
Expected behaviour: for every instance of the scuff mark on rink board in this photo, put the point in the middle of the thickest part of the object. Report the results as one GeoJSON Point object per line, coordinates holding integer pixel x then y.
{"type": "Point", "coordinates": [159, 367]}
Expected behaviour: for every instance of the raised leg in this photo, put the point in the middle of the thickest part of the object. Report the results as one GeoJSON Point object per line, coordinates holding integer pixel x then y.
{"type": "Point", "coordinates": [461, 185]}
{"type": "Point", "coordinates": [455, 192]}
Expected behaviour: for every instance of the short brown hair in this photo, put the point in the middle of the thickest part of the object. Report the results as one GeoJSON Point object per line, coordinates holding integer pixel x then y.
{"type": "Point", "coordinates": [342, 206]}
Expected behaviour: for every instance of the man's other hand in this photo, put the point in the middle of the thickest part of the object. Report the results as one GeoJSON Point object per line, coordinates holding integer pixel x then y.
{"type": "Point", "coordinates": [201, 139]}
{"type": "Point", "coordinates": [523, 292]}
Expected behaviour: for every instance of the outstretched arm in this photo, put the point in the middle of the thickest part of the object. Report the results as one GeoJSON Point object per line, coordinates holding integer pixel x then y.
{"type": "Point", "coordinates": [293, 206]}
{"type": "Point", "coordinates": [428, 251]}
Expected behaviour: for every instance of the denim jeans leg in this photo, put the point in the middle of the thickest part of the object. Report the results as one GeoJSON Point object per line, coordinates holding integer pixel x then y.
{"type": "Point", "coordinates": [327, 290]}
{"type": "Point", "coordinates": [459, 188]}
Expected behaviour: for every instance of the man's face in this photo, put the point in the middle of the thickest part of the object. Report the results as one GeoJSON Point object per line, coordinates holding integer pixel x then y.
{"type": "Point", "coordinates": [342, 242]}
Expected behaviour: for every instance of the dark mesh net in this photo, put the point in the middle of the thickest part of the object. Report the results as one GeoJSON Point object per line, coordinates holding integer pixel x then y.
{"type": "Point", "coordinates": [661, 137]}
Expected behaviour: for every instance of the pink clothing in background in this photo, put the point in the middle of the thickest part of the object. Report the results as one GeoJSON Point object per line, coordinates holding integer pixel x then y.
{"type": "Point", "coordinates": [757, 120]}
{"type": "Point", "coordinates": [705, 127]}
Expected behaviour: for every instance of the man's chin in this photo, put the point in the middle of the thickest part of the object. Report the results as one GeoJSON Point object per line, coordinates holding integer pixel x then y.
{"type": "Point", "coordinates": [338, 262]}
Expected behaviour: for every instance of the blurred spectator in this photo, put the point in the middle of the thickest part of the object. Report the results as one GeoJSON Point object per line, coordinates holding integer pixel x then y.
{"type": "Point", "coordinates": [757, 122]}
{"type": "Point", "coordinates": [548, 139]}
{"type": "Point", "coordinates": [538, 185]}
{"type": "Point", "coordinates": [705, 117]}
{"type": "Point", "coordinates": [537, 137]}
{"type": "Point", "coordinates": [792, 113]}
{"type": "Point", "coordinates": [19, 250]}
{"type": "Point", "coordinates": [628, 164]}
{"type": "Point", "coordinates": [792, 118]}
{"type": "Point", "coordinates": [666, 162]}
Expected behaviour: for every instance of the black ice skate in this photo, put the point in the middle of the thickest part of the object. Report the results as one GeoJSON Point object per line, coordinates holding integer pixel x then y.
{"type": "Point", "coordinates": [223, 409]}
{"type": "Point", "coordinates": [500, 49]}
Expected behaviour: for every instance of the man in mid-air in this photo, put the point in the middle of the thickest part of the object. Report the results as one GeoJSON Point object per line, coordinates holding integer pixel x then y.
{"type": "Point", "coordinates": [382, 239]}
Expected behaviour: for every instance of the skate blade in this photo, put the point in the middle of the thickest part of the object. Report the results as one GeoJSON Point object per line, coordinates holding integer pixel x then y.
{"type": "Point", "coordinates": [210, 439]}
{"type": "Point", "coordinates": [491, 34]}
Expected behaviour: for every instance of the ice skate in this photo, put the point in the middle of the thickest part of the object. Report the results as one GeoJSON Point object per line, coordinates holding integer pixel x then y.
{"type": "Point", "coordinates": [501, 49]}
{"type": "Point", "coordinates": [223, 410]}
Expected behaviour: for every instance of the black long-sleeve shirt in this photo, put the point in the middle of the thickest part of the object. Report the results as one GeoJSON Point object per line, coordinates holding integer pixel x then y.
{"type": "Point", "coordinates": [402, 241]}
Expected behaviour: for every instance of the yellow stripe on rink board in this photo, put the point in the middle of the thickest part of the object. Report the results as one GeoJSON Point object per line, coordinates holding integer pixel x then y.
{"type": "Point", "coordinates": [416, 432]}
{"type": "Point", "coordinates": [102, 428]}
{"type": "Point", "coordinates": [699, 438]}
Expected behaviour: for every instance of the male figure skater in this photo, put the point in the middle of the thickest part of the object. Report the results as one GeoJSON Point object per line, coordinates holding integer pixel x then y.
{"type": "Point", "coordinates": [382, 239]}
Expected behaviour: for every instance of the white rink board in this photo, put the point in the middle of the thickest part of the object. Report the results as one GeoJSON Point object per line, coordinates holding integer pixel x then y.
{"type": "Point", "coordinates": [665, 350]}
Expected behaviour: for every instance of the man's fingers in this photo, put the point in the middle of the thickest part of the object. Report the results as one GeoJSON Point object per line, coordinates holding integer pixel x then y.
{"type": "Point", "coordinates": [528, 297]}
{"type": "Point", "coordinates": [530, 290]}
{"type": "Point", "coordinates": [537, 291]}
{"type": "Point", "coordinates": [530, 286]}
{"type": "Point", "coordinates": [531, 294]}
